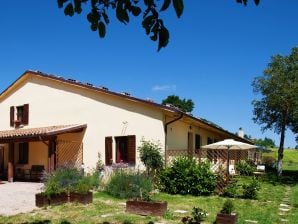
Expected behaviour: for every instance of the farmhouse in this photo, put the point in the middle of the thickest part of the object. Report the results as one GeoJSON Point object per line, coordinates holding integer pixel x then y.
{"type": "Point", "coordinates": [48, 121]}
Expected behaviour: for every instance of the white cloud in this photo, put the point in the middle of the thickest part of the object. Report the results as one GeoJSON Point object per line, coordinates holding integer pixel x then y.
{"type": "Point", "coordinates": [164, 88]}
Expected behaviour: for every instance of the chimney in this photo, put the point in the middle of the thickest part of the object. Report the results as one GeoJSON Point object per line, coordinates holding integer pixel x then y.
{"type": "Point", "coordinates": [241, 133]}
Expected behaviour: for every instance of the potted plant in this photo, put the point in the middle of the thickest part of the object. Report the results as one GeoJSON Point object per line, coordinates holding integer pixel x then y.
{"type": "Point", "coordinates": [142, 204]}
{"type": "Point", "coordinates": [145, 206]}
{"type": "Point", "coordinates": [226, 215]}
{"type": "Point", "coordinates": [65, 185]}
{"type": "Point", "coordinates": [198, 215]}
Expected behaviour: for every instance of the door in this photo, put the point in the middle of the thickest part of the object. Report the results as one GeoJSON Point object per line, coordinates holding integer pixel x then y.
{"type": "Point", "coordinates": [190, 143]}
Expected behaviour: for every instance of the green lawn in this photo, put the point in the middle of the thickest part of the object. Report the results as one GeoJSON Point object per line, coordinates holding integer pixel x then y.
{"type": "Point", "coordinates": [290, 160]}
{"type": "Point", "coordinates": [108, 209]}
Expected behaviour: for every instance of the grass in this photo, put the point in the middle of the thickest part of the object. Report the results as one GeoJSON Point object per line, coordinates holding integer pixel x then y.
{"type": "Point", "coordinates": [108, 209]}
{"type": "Point", "coordinates": [290, 160]}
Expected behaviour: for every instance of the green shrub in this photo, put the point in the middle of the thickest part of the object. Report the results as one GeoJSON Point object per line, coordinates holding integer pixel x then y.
{"type": "Point", "coordinates": [231, 190]}
{"type": "Point", "coordinates": [198, 215]}
{"type": "Point", "coordinates": [269, 162]}
{"type": "Point", "coordinates": [65, 180]}
{"type": "Point", "coordinates": [151, 157]}
{"type": "Point", "coordinates": [227, 207]}
{"type": "Point", "coordinates": [245, 168]}
{"type": "Point", "coordinates": [129, 185]}
{"type": "Point", "coordinates": [186, 176]}
{"type": "Point", "coordinates": [251, 189]}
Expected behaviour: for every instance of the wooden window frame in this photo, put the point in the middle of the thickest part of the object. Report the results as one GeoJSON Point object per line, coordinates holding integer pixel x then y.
{"type": "Point", "coordinates": [19, 115]}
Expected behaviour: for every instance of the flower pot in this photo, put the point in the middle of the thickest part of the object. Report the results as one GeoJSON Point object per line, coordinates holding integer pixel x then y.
{"type": "Point", "coordinates": [84, 198]}
{"type": "Point", "coordinates": [226, 218]}
{"type": "Point", "coordinates": [58, 199]}
{"type": "Point", "coordinates": [146, 207]}
{"type": "Point", "coordinates": [41, 200]}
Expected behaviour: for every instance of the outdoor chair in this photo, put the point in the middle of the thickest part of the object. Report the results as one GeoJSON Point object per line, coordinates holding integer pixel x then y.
{"type": "Point", "coordinates": [36, 172]}
{"type": "Point", "coordinates": [232, 170]}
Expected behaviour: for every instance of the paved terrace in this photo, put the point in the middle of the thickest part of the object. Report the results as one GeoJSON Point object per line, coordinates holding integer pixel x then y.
{"type": "Point", "coordinates": [18, 197]}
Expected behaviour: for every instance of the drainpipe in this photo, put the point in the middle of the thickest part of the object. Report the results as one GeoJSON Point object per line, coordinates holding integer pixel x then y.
{"type": "Point", "coordinates": [166, 134]}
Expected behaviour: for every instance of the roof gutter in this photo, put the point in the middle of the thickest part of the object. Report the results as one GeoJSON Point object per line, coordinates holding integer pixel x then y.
{"type": "Point", "coordinates": [166, 133]}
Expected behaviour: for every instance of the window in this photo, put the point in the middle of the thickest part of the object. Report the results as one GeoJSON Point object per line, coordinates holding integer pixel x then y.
{"type": "Point", "coordinates": [21, 116]}
{"type": "Point", "coordinates": [209, 140]}
{"type": "Point", "coordinates": [126, 149]}
{"type": "Point", "coordinates": [23, 152]}
{"type": "Point", "coordinates": [20, 113]}
{"type": "Point", "coordinates": [197, 143]}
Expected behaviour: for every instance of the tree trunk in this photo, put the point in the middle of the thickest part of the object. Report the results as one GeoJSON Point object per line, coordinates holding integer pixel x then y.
{"type": "Point", "coordinates": [281, 150]}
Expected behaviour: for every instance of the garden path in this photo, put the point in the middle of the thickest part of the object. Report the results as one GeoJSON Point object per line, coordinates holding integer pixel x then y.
{"type": "Point", "coordinates": [284, 207]}
{"type": "Point", "coordinates": [18, 197]}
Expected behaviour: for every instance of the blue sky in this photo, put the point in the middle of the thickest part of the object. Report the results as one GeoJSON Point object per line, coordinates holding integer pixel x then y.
{"type": "Point", "coordinates": [215, 51]}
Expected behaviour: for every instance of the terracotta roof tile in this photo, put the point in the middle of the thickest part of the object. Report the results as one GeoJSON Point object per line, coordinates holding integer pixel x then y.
{"type": "Point", "coordinates": [44, 131]}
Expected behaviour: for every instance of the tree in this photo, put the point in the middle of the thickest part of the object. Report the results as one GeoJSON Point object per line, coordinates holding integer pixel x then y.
{"type": "Point", "coordinates": [152, 22]}
{"type": "Point", "coordinates": [266, 142]}
{"type": "Point", "coordinates": [278, 107]}
{"type": "Point", "coordinates": [182, 104]}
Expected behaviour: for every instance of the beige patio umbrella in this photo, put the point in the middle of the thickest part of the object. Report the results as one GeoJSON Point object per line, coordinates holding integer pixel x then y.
{"type": "Point", "coordinates": [229, 144]}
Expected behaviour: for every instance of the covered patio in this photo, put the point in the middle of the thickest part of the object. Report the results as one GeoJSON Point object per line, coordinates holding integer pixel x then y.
{"type": "Point", "coordinates": [25, 153]}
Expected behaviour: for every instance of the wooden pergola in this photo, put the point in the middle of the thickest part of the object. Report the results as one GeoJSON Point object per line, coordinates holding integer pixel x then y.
{"type": "Point", "coordinates": [47, 135]}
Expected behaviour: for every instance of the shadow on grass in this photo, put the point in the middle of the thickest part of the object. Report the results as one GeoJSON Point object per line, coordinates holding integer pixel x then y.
{"type": "Point", "coordinates": [288, 177]}
{"type": "Point", "coordinates": [46, 222]}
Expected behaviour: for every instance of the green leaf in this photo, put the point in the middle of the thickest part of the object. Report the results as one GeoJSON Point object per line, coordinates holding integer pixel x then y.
{"type": "Point", "coordinates": [121, 13]}
{"type": "Point", "coordinates": [93, 26]}
{"type": "Point", "coordinates": [154, 37]}
{"type": "Point", "coordinates": [69, 11]}
{"type": "Point", "coordinates": [148, 2]}
{"type": "Point", "coordinates": [90, 17]}
{"type": "Point", "coordinates": [164, 37]}
{"type": "Point", "coordinates": [78, 7]}
{"type": "Point", "coordinates": [135, 10]}
{"type": "Point", "coordinates": [94, 2]}
{"type": "Point", "coordinates": [147, 23]}
{"type": "Point", "coordinates": [61, 3]}
{"type": "Point", "coordinates": [101, 29]}
{"type": "Point", "coordinates": [178, 6]}
{"type": "Point", "coordinates": [106, 18]}
{"type": "Point", "coordinates": [165, 5]}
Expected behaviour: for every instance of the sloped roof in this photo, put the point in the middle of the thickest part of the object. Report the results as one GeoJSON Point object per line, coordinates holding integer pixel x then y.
{"type": "Point", "coordinates": [169, 108]}
{"type": "Point", "coordinates": [23, 133]}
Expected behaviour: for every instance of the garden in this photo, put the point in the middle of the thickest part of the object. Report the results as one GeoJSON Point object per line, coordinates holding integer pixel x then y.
{"type": "Point", "coordinates": [181, 193]}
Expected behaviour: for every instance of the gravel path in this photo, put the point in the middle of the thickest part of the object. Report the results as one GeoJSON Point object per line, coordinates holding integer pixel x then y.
{"type": "Point", "coordinates": [18, 197]}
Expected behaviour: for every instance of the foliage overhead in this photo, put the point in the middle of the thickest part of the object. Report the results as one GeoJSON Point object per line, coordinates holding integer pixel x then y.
{"type": "Point", "coordinates": [182, 104]}
{"type": "Point", "coordinates": [278, 107]}
{"type": "Point", "coordinates": [99, 14]}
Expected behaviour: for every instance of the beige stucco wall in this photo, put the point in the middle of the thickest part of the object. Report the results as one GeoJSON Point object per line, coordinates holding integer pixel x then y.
{"type": "Point", "coordinates": [52, 103]}
{"type": "Point", "coordinates": [178, 134]}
